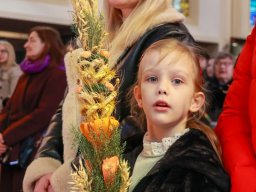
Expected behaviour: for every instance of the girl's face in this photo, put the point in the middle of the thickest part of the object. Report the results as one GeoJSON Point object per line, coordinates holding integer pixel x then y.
{"type": "Point", "coordinates": [34, 46]}
{"type": "Point", "coordinates": [166, 92]}
{"type": "Point", "coordinates": [4, 55]}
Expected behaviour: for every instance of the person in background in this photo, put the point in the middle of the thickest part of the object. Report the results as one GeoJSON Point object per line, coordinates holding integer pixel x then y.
{"type": "Point", "coordinates": [210, 69]}
{"type": "Point", "coordinates": [70, 45]}
{"type": "Point", "coordinates": [177, 152]}
{"type": "Point", "coordinates": [132, 26]}
{"type": "Point", "coordinates": [9, 71]}
{"type": "Point", "coordinates": [29, 110]}
{"type": "Point", "coordinates": [219, 84]}
{"type": "Point", "coordinates": [203, 59]}
{"type": "Point", "coordinates": [206, 64]}
{"type": "Point", "coordinates": [236, 126]}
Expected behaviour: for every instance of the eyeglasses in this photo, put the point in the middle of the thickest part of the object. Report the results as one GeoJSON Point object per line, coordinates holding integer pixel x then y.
{"type": "Point", "coordinates": [225, 64]}
{"type": "Point", "coordinates": [3, 51]}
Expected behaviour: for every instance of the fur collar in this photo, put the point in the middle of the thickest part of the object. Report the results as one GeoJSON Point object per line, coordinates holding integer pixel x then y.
{"type": "Point", "coordinates": [71, 111]}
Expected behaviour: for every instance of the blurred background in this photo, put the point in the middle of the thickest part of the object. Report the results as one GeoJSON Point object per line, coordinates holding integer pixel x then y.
{"type": "Point", "coordinates": [216, 24]}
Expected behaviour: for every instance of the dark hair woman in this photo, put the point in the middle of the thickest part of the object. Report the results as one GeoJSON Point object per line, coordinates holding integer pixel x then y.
{"type": "Point", "coordinates": [29, 110]}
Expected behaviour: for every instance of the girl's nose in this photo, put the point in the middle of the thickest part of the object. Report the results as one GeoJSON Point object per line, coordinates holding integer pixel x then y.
{"type": "Point", "coordinates": [162, 88]}
{"type": "Point", "coordinates": [162, 92]}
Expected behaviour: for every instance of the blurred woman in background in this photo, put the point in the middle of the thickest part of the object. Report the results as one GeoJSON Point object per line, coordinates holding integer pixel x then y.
{"type": "Point", "coordinates": [9, 71]}
{"type": "Point", "coordinates": [29, 110]}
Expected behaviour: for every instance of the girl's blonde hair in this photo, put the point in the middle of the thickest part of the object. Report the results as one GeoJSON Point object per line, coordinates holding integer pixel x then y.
{"type": "Point", "coordinates": [11, 61]}
{"type": "Point", "coordinates": [171, 46]}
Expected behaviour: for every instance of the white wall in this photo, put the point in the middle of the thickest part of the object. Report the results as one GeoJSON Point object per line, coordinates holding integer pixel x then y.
{"type": "Point", "coordinates": [210, 21]}
{"type": "Point", "coordinates": [240, 18]}
{"type": "Point", "coordinates": [213, 21]}
{"type": "Point", "coordinates": [50, 11]}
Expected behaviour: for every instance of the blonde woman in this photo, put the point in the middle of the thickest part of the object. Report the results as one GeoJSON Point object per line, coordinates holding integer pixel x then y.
{"type": "Point", "coordinates": [132, 26]}
{"type": "Point", "coordinates": [9, 71]}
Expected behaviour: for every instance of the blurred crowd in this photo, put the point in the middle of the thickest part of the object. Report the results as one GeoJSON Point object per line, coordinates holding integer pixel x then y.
{"type": "Point", "coordinates": [218, 73]}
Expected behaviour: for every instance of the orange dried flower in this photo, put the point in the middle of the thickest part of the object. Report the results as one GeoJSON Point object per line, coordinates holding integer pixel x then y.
{"type": "Point", "coordinates": [104, 53]}
{"type": "Point", "coordinates": [109, 169]}
{"type": "Point", "coordinates": [109, 86]}
{"type": "Point", "coordinates": [96, 131]}
{"type": "Point", "coordinates": [86, 54]}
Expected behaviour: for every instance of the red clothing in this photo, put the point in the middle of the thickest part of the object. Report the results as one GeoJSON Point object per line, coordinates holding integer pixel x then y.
{"type": "Point", "coordinates": [236, 127]}
{"type": "Point", "coordinates": [33, 103]}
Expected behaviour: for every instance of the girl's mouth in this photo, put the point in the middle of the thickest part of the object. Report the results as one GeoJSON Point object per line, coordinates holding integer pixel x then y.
{"type": "Point", "coordinates": [161, 106]}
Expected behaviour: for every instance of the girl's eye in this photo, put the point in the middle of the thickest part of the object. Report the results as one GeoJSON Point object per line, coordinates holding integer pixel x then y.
{"type": "Point", "coordinates": [152, 79]}
{"type": "Point", "coordinates": [177, 81]}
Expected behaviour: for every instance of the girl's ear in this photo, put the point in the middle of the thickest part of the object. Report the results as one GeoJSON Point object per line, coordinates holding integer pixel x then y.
{"type": "Point", "coordinates": [197, 102]}
{"type": "Point", "coordinates": [137, 95]}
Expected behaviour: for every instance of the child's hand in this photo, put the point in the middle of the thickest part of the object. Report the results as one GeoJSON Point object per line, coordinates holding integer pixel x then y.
{"type": "Point", "coordinates": [1, 138]}
{"type": "Point", "coordinates": [3, 149]}
{"type": "Point", "coordinates": [50, 189]}
{"type": "Point", "coordinates": [43, 184]}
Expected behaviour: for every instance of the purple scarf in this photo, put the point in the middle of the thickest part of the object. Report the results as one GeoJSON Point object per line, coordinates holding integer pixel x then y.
{"type": "Point", "coordinates": [37, 66]}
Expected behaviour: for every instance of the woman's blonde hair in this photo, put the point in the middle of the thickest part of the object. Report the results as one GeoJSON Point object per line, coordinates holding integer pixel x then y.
{"type": "Point", "coordinates": [171, 46]}
{"type": "Point", "coordinates": [11, 61]}
{"type": "Point", "coordinates": [144, 10]}
{"type": "Point", "coordinates": [143, 16]}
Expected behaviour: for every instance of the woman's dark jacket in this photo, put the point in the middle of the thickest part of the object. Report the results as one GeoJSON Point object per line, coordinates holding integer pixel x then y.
{"type": "Point", "coordinates": [217, 92]}
{"type": "Point", "coordinates": [53, 144]}
{"type": "Point", "coordinates": [189, 165]}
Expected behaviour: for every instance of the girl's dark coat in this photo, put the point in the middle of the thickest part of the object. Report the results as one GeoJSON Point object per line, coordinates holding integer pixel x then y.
{"type": "Point", "coordinates": [190, 165]}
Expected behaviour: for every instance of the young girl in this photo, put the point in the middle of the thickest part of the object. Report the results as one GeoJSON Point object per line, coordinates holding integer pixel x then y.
{"type": "Point", "coordinates": [177, 153]}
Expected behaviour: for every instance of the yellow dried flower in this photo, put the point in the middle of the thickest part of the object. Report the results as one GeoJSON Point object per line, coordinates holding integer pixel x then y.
{"type": "Point", "coordinates": [86, 54]}
{"type": "Point", "coordinates": [81, 181]}
{"type": "Point", "coordinates": [126, 180]}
